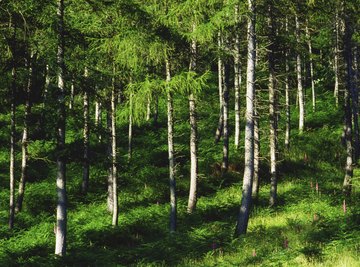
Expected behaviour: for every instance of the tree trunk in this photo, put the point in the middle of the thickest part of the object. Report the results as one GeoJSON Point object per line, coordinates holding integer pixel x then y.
{"type": "Point", "coordinates": [225, 162]}
{"type": "Point", "coordinates": [110, 195]}
{"type": "Point", "coordinates": [148, 109]}
{"type": "Point", "coordinates": [313, 94]}
{"type": "Point", "coordinates": [86, 134]}
{"type": "Point", "coordinates": [98, 118]}
{"type": "Point", "coordinates": [172, 179]}
{"type": "Point", "coordinates": [355, 106]}
{"type": "Point", "coordinates": [113, 154]}
{"type": "Point", "coordinates": [12, 146]}
{"type": "Point", "coordinates": [256, 180]}
{"type": "Point", "coordinates": [336, 57]}
{"type": "Point", "coordinates": [156, 109]}
{"type": "Point", "coordinates": [272, 111]}
{"type": "Point", "coordinates": [193, 134]}
{"type": "Point", "coordinates": [299, 78]}
{"type": "Point", "coordinates": [72, 94]}
{"type": "Point", "coordinates": [348, 116]}
{"type": "Point", "coordinates": [24, 142]}
{"type": "Point", "coordinates": [287, 95]}
{"type": "Point", "coordinates": [219, 129]}
{"type": "Point", "coordinates": [243, 218]}
{"type": "Point", "coordinates": [130, 134]}
{"type": "Point", "coordinates": [61, 214]}
{"type": "Point", "coordinates": [237, 78]}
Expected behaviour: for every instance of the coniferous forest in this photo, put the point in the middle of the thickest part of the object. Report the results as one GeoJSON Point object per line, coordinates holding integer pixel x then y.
{"type": "Point", "coordinates": [179, 133]}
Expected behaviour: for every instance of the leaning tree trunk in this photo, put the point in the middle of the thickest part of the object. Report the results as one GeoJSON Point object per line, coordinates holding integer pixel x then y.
{"type": "Point", "coordinates": [272, 111]}
{"type": "Point", "coordinates": [61, 214]}
{"type": "Point", "coordinates": [219, 129]}
{"type": "Point", "coordinates": [299, 78]}
{"type": "Point", "coordinates": [193, 135]}
{"type": "Point", "coordinates": [237, 78]}
{"type": "Point", "coordinates": [170, 124]}
{"type": "Point", "coordinates": [113, 158]}
{"type": "Point", "coordinates": [24, 142]}
{"type": "Point", "coordinates": [313, 94]}
{"type": "Point", "coordinates": [243, 218]}
{"type": "Point", "coordinates": [86, 135]}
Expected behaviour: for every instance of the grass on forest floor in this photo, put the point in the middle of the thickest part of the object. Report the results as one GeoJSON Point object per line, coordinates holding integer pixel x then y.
{"type": "Point", "coordinates": [307, 227]}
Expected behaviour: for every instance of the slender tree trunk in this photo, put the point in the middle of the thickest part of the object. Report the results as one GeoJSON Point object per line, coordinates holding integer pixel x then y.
{"type": "Point", "coordinates": [272, 111]}
{"type": "Point", "coordinates": [219, 129]}
{"type": "Point", "coordinates": [348, 116]}
{"type": "Point", "coordinates": [225, 162]}
{"type": "Point", "coordinates": [170, 125]}
{"type": "Point", "coordinates": [148, 109]}
{"type": "Point", "coordinates": [24, 142]}
{"type": "Point", "coordinates": [237, 78]}
{"type": "Point", "coordinates": [243, 218]}
{"type": "Point", "coordinates": [61, 214]}
{"type": "Point", "coordinates": [98, 118]}
{"type": "Point", "coordinates": [72, 94]}
{"type": "Point", "coordinates": [156, 109]}
{"type": "Point", "coordinates": [256, 180]}
{"type": "Point", "coordinates": [47, 84]}
{"type": "Point", "coordinates": [193, 134]}
{"type": "Point", "coordinates": [287, 96]}
{"type": "Point", "coordinates": [313, 93]}
{"type": "Point", "coordinates": [12, 147]}
{"type": "Point", "coordinates": [299, 79]}
{"type": "Point", "coordinates": [336, 58]}
{"type": "Point", "coordinates": [86, 135]}
{"type": "Point", "coordinates": [113, 154]}
{"type": "Point", "coordinates": [355, 106]}
{"type": "Point", "coordinates": [130, 134]}
{"type": "Point", "coordinates": [110, 195]}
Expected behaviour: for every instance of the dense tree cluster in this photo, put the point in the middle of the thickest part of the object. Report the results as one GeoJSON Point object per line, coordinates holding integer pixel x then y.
{"type": "Point", "coordinates": [124, 58]}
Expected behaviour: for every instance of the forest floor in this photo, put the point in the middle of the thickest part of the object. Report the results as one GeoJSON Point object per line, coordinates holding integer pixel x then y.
{"type": "Point", "coordinates": [308, 227]}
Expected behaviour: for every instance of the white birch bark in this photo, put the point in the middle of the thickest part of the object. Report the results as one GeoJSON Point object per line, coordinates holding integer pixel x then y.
{"type": "Point", "coordinates": [299, 79]}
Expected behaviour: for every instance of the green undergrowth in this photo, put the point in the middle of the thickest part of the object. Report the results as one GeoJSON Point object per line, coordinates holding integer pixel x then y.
{"type": "Point", "coordinates": [309, 226]}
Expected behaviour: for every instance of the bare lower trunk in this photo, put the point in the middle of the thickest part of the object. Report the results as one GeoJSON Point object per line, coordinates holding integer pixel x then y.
{"type": "Point", "coordinates": [113, 159]}
{"type": "Point", "coordinates": [172, 180]}
{"type": "Point", "coordinates": [219, 129]}
{"type": "Point", "coordinates": [256, 180]}
{"type": "Point", "coordinates": [287, 96]}
{"type": "Point", "coordinates": [237, 79]}
{"type": "Point", "coordinates": [61, 211]}
{"type": "Point", "coordinates": [12, 150]}
{"type": "Point", "coordinates": [225, 162]}
{"type": "Point", "coordinates": [272, 111]}
{"type": "Point", "coordinates": [98, 118]}
{"type": "Point", "coordinates": [355, 106]}
{"type": "Point", "coordinates": [86, 134]}
{"type": "Point", "coordinates": [193, 136]}
{"type": "Point", "coordinates": [299, 79]}
{"type": "Point", "coordinates": [336, 58]}
{"type": "Point", "coordinates": [110, 195]}
{"type": "Point", "coordinates": [313, 95]}
{"type": "Point", "coordinates": [243, 218]}
{"type": "Point", "coordinates": [148, 109]}
{"type": "Point", "coordinates": [72, 94]}
{"type": "Point", "coordinates": [347, 185]}
{"type": "Point", "coordinates": [130, 134]}
{"type": "Point", "coordinates": [24, 142]}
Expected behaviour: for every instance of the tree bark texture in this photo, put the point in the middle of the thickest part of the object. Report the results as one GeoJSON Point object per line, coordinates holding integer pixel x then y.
{"type": "Point", "coordinates": [61, 213]}
{"type": "Point", "coordinates": [193, 134]}
{"type": "Point", "coordinates": [237, 78]}
{"type": "Point", "coordinates": [299, 78]}
{"type": "Point", "coordinates": [243, 217]}
{"type": "Point", "coordinates": [86, 135]}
